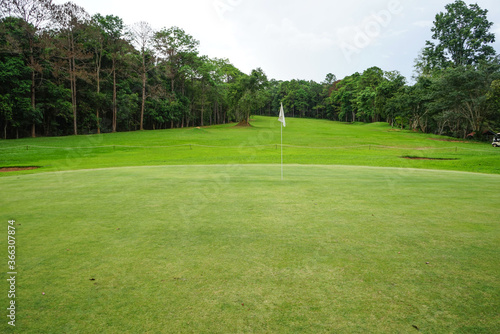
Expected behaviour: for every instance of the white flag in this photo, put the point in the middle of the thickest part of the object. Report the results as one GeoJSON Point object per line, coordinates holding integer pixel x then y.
{"type": "Point", "coordinates": [281, 118]}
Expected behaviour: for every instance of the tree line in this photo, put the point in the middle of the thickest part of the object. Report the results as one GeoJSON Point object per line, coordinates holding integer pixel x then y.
{"type": "Point", "coordinates": [64, 72]}
{"type": "Point", "coordinates": [456, 90]}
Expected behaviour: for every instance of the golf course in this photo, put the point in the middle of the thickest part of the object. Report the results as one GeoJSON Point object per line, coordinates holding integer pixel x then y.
{"type": "Point", "coordinates": [372, 229]}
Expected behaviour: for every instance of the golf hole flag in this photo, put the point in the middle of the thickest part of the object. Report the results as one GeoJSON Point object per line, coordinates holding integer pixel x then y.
{"type": "Point", "coordinates": [281, 118]}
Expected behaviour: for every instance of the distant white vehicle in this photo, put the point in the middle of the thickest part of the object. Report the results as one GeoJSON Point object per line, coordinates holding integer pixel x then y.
{"type": "Point", "coordinates": [496, 140]}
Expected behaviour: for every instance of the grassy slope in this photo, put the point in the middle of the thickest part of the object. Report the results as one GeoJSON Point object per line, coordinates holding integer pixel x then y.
{"type": "Point", "coordinates": [206, 249]}
{"type": "Point", "coordinates": [308, 142]}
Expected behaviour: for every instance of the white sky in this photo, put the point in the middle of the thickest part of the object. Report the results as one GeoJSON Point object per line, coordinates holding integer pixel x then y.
{"type": "Point", "coordinates": [291, 39]}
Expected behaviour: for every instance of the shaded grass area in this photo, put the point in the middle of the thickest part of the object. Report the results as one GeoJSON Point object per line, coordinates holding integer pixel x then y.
{"type": "Point", "coordinates": [306, 142]}
{"type": "Point", "coordinates": [232, 249]}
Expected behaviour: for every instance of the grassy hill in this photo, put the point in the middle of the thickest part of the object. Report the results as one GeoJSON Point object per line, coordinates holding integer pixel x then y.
{"type": "Point", "coordinates": [305, 142]}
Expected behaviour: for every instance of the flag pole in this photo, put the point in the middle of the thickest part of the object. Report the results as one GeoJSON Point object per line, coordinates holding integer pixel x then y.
{"type": "Point", "coordinates": [281, 118]}
{"type": "Point", "coordinates": [281, 151]}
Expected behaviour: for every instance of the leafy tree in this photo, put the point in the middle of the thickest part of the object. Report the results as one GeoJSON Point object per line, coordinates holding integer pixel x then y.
{"type": "Point", "coordinates": [155, 105]}
{"type": "Point", "coordinates": [71, 19]}
{"type": "Point", "coordinates": [323, 91]}
{"type": "Point", "coordinates": [464, 90]}
{"type": "Point", "coordinates": [14, 92]}
{"type": "Point", "coordinates": [367, 93]}
{"type": "Point", "coordinates": [345, 96]}
{"type": "Point", "coordinates": [418, 108]}
{"type": "Point", "coordinates": [460, 37]}
{"type": "Point", "coordinates": [114, 34]}
{"type": "Point", "coordinates": [206, 70]}
{"type": "Point", "coordinates": [493, 97]}
{"type": "Point", "coordinates": [172, 45]}
{"type": "Point", "coordinates": [96, 41]}
{"type": "Point", "coordinates": [330, 79]}
{"type": "Point", "coordinates": [222, 76]}
{"type": "Point", "coordinates": [34, 16]}
{"type": "Point", "coordinates": [250, 100]}
{"type": "Point", "coordinates": [143, 37]}
{"type": "Point", "coordinates": [365, 101]}
{"type": "Point", "coordinates": [389, 88]}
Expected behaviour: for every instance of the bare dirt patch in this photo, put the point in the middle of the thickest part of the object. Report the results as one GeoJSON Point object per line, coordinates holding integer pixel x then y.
{"type": "Point", "coordinates": [16, 169]}
{"type": "Point", "coordinates": [450, 140]}
{"type": "Point", "coordinates": [243, 123]}
{"type": "Point", "coordinates": [424, 158]}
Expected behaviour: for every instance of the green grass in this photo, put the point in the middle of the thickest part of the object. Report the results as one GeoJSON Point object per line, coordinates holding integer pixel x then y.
{"type": "Point", "coordinates": [228, 249]}
{"type": "Point", "coordinates": [306, 142]}
{"type": "Point", "coordinates": [212, 241]}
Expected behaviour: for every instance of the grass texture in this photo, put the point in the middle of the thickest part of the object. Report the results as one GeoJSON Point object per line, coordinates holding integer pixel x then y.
{"type": "Point", "coordinates": [305, 141]}
{"type": "Point", "coordinates": [210, 240]}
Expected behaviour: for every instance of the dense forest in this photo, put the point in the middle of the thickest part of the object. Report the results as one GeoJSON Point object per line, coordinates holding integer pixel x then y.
{"type": "Point", "coordinates": [63, 72]}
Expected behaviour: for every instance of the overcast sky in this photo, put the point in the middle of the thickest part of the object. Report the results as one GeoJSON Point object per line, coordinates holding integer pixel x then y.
{"type": "Point", "coordinates": [291, 39]}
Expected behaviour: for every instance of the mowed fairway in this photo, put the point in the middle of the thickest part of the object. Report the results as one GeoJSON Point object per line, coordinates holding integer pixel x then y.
{"type": "Point", "coordinates": [232, 249]}
{"type": "Point", "coordinates": [201, 247]}
{"type": "Point", "coordinates": [306, 141]}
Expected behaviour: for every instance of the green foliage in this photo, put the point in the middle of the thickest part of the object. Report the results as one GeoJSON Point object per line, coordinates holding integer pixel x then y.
{"type": "Point", "coordinates": [250, 99]}
{"type": "Point", "coordinates": [309, 141]}
{"type": "Point", "coordinates": [174, 46]}
{"type": "Point", "coordinates": [464, 90]}
{"type": "Point", "coordinates": [211, 233]}
{"type": "Point", "coordinates": [119, 81]}
{"type": "Point", "coordinates": [331, 249]}
{"type": "Point", "coordinates": [493, 97]}
{"type": "Point", "coordinates": [463, 38]}
{"type": "Point", "coordinates": [458, 72]}
{"type": "Point", "coordinates": [15, 83]}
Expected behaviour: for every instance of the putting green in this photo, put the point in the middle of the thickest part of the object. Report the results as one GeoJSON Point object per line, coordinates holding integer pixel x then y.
{"type": "Point", "coordinates": [232, 248]}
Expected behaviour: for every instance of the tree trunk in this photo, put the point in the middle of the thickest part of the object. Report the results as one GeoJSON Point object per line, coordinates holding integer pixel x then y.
{"type": "Point", "coordinates": [98, 96]}
{"type": "Point", "coordinates": [214, 112]}
{"type": "Point", "coordinates": [98, 122]}
{"type": "Point", "coordinates": [73, 92]}
{"type": "Point", "coordinates": [201, 115]}
{"type": "Point", "coordinates": [143, 92]}
{"type": "Point", "coordinates": [33, 103]}
{"type": "Point", "coordinates": [202, 100]}
{"type": "Point", "coordinates": [114, 97]}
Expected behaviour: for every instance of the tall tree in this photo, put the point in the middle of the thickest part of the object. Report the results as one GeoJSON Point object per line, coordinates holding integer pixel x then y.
{"type": "Point", "coordinates": [391, 85]}
{"type": "Point", "coordinates": [324, 105]}
{"type": "Point", "coordinates": [367, 93]}
{"type": "Point", "coordinates": [173, 45]}
{"type": "Point", "coordinates": [35, 15]}
{"type": "Point", "coordinates": [251, 100]}
{"type": "Point", "coordinates": [114, 32]}
{"type": "Point", "coordinates": [461, 36]}
{"type": "Point", "coordinates": [493, 97]}
{"type": "Point", "coordinates": [71, 19]}
{"type": "Point", "coordinates": [14, 77]}
{"type": "Point", "coordinates": [206, 70]}
{"type": "Point", "coordinates": [96, 42]}
{"type": "Point", "coordinates": [464, 90]}
{"type": "Point", "coordinates": [345, 96]}
{"type": "Point", "coordinates": [142, 37]}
